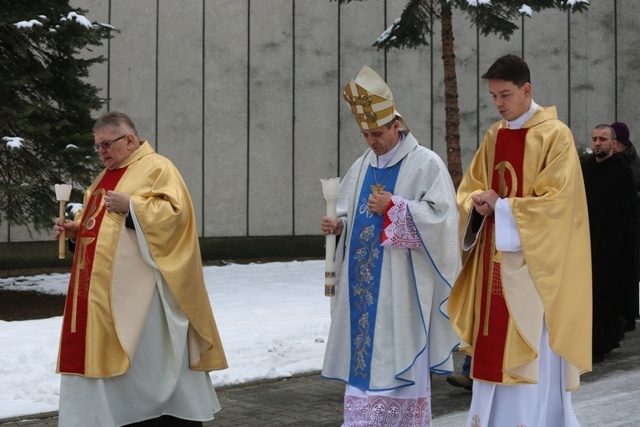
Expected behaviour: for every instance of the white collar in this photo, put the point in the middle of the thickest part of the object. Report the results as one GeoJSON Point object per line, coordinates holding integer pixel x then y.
{"type": "Point", "coordinates": [386, 157]}
{"type": "Point", "coordinates": [520, 121]}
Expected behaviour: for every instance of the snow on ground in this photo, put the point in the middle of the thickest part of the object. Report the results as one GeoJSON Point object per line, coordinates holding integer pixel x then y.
{"type": "Point", "coordinates": [273, 320]}
{"type": "Point", "coordinates": [610, 402]}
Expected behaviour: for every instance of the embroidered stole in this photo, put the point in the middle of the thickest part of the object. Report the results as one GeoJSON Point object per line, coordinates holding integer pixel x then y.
{"type": "Point", "coordinates": [506, 180]}
{"type": "Point", "coordinates": [74, 326]}
{"type": "Point", "coordinates": [365, 266]}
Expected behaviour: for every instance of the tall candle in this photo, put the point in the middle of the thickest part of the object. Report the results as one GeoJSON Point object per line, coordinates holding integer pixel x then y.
{"type": "Point", "coordinates": [63, 192]}
{"type": "Point", "coordinates": [331, 191]}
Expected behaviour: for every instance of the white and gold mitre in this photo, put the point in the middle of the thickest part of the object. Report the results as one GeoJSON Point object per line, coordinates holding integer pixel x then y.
{"type": "Point", "coordinates": [370, 100]}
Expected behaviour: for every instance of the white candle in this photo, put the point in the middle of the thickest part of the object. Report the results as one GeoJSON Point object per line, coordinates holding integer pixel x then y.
{"type": "Point", "coordinates": [331, 191]}
{"type": "Point", "coordinates": [63, 192]}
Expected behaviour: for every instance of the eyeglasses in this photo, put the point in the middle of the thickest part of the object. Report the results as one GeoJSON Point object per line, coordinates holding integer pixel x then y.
{"type": "Point", "coordinates": [106, 144]}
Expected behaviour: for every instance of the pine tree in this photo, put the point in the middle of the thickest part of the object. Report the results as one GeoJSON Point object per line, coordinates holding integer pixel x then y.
{"type": "Point", "coordinates": [45, 106]}
{"type": "Point", "coordinates": [413, 29]}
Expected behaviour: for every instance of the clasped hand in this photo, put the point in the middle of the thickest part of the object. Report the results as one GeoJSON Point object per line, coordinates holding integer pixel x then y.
{"type": "Point", "coordinates": [378, 202]}
{"type": "Point", "coordinates": [485, 202]}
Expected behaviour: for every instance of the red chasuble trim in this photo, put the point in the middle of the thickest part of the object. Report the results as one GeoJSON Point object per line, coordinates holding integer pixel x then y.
{"type": "Point", "coordinates": [74, 326]}
{"type": "Point", "coordinates": [506, 180]}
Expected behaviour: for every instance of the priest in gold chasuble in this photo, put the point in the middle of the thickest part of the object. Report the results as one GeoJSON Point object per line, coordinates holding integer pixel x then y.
{"type": "Point", "coordinates": [522, 302]}
{"type": "Point", "coordinates": [138, 335]}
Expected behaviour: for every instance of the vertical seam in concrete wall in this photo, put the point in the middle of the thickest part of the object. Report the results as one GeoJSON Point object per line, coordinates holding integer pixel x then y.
{"type": "Point", "coordinates": [569, 68]}
{"type": "Point", "coordinates": [384, 23]}
{"type": "Point", "coordinates": [248, 113]}
{"type": "Point", "coordinates": [293, 117]}
{"type": "Point", "coordinates": [522, 36]}
{"type": "Point", "coordinates": [157, 73]}
{"type": "Point", "coordinates": [338, 94]}
{"type": "Point", "coordinates": [615, 58]}
{"type": "Point", "coordinates": [431, 103]}
{"type": "Point", "coordinates": [204, 74]}
{"type": "Point", "coordinates": [109, 62]}
{"type": "Point", "coordinates": [478, 130]}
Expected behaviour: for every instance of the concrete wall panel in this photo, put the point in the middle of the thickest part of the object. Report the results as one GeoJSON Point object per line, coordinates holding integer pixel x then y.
{"type": "Point", "coordinates": [271, 118]}
{"type": "Point", "coordinates": [180, 91]}
{"type": "Point", "coordinates": [548, 59]}
{"type": "Point", "coordinates": [581, 86]}
{"type": "Point", "coordinates": [628, 40]}
{"type": "Point", "coordinates": [18, 233]}
{"type": "Point", "coordinates": [593, 71]}
{"type": "Point", "coordinates": [226, 111]}
{"type": "Point", "coordinates": [316, 102]}
{"type": "Point", "coordinates": [465, 45]}
{"type": "Point", "coordinates": [409, 77]}
{"type": "Point", "coordinates": [133, 49]}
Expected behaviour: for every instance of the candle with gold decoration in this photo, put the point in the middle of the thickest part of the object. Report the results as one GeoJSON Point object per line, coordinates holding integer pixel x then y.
{"type": "Point", "coordinates": [63, 192]}
{"type": "Point", "coordinates": [331, 191]}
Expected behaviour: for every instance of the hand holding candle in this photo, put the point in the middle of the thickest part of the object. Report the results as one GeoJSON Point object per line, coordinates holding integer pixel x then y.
{"type": "Point", "coordinates": [63, 192]}
{"type": "Point", "coordinates": [331, 191]}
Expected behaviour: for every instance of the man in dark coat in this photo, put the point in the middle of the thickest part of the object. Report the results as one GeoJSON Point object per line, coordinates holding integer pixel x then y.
{"type": "Point", "coordinates": [625, 146]}
{"type": "Point", "coordinates": [613, 212]}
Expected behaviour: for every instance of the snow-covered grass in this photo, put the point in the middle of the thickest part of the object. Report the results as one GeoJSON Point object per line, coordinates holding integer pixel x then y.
{"type": "Point", "coordinates": [273, 319]}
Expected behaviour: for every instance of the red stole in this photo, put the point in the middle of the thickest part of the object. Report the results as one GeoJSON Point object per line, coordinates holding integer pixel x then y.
{"type": "Point", "coordinates": [506, 180]}
{"type": "Point", "coordinates": [74, 326]}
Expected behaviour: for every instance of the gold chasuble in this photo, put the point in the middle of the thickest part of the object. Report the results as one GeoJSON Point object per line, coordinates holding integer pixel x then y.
{"type": "Point", "coordinates": [93, 344]}
{"type": "Point", "coordinates": [500, 299]}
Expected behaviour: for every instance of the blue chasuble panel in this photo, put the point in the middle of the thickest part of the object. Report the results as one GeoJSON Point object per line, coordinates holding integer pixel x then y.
{"type": "Point", "coordinates": [365, 266]}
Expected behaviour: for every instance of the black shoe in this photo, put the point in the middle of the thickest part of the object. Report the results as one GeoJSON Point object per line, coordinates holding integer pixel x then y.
{"type": "Point", "coordinates": [459, 380]}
